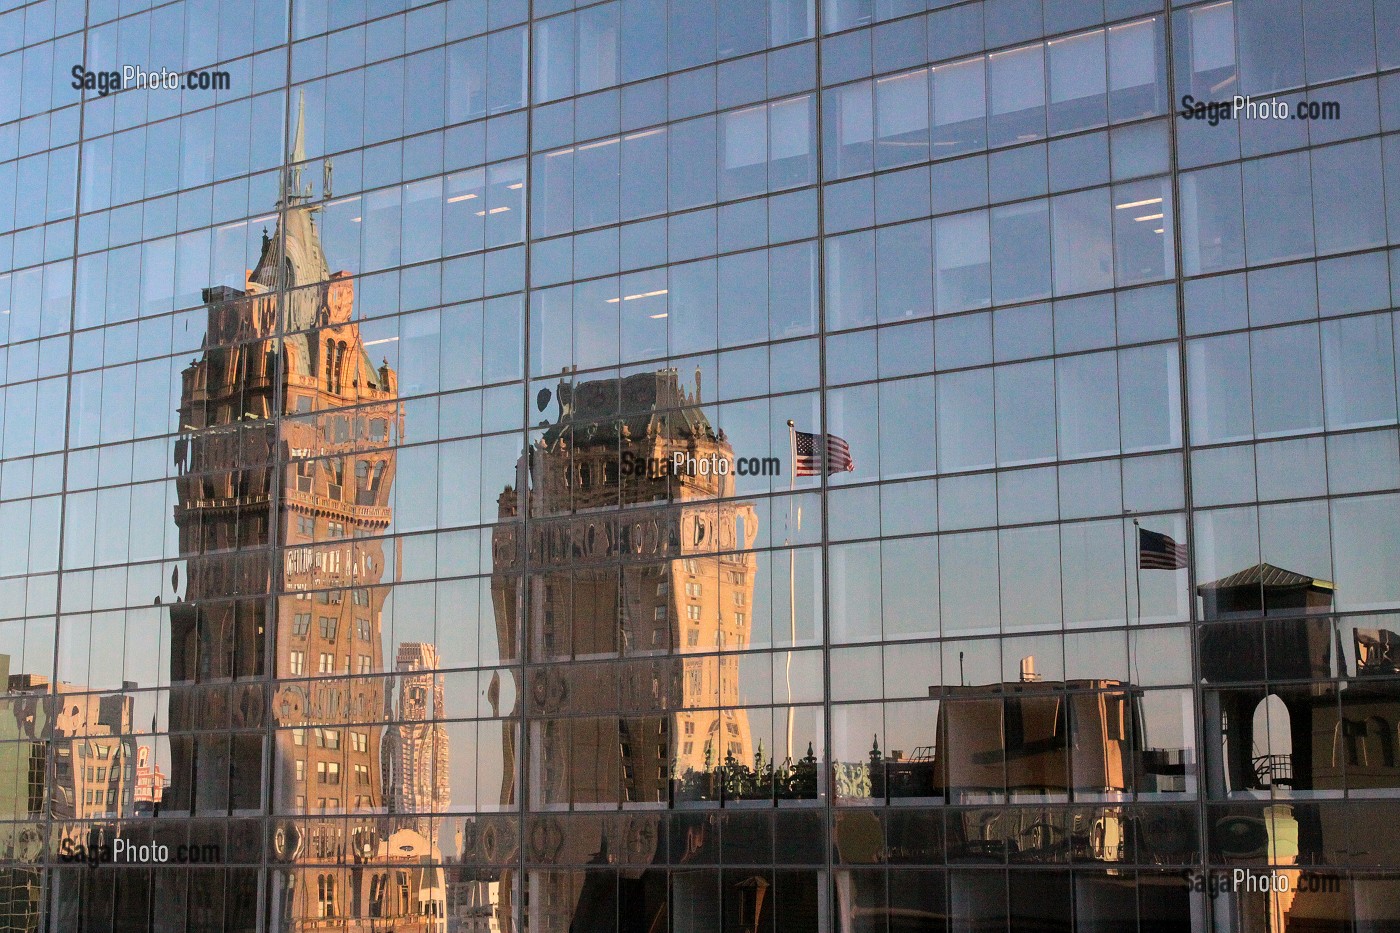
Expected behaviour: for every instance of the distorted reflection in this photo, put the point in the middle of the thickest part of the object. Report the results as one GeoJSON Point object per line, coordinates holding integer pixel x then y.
{"type": "Point", "coordinates": [659, 597]}
{"type": "Point", "coordinates": [359, 766]}
{"type": "Point", "coordinates": [423, 588]}
{"type": "Point", "coordinates": [1301, 706]}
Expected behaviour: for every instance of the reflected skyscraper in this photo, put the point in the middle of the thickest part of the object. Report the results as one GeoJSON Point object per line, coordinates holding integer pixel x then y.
{"type": "Point", "coordinates": [415, 747]}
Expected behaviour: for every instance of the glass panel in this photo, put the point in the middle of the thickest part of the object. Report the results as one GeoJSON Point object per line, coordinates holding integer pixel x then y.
{"type": "Point", "coordinates": [901, 119]}
{"type": "Point", "coordinates": [962, 262]}
{"type": "Point", "coordinates": [1082, 242]}
{"type": "Point", "coordinates": [959, 107]}
{"type": "Point", "coordinates": [1017, 95]}
{"type": "Point", "coordinates": [1142, 232]}
{"type": "Point", "coordinates": [1078, 75]}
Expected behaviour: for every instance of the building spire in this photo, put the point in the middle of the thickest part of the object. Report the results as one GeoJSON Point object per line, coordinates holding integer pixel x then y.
{"type": "Point", "coordinates": [299, 141]}
{"type": "Point", "coordinates": [293, 255]}
{"type": "Point", "coordinates": [291, 176]}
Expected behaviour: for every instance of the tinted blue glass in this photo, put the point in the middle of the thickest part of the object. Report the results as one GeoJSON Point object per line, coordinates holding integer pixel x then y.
{"type": "Point", "coordinates": [1278, 228]}
{"type": "Point", "coordinates": [532, 672]}
{"type": "Point", "coordinates": [959, 184]}
{"type": "Point", "coordinates": [1009, 21]}
{"type": "Point", "coordinates": [1339, 39]}
{"type": "Point", "coordinates": [1020, 252]}
{"type": "Point", "coordinates": [1017, 173]}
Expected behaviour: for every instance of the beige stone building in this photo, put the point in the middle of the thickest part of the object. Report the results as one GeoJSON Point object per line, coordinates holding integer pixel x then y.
{"type": "Point", "coordinates": [315, 491]}
{"type": "Point", "coordinates": [655, 597]}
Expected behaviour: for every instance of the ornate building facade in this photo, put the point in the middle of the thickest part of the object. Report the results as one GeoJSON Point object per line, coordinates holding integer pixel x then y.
{"type": "Point", "coordinates": [645, 563]}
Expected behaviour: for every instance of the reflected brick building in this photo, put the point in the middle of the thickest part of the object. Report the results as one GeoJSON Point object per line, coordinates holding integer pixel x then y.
{"type": "Point", "coordinates": [97, 778]}
{"type": "Point", "coordinates": [345, 531]}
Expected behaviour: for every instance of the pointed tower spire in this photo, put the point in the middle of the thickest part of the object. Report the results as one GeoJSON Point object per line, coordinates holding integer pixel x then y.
{"type": "Point", "coordinates": [291, 176]}
{"type": "Point", "coordinates": [299, 141]}
{"type": "Point", "coordinates": [293, 255]}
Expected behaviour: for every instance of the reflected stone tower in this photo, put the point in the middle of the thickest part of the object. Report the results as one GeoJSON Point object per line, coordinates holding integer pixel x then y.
{"type": "Point", "coordinates": [279, 522]}
{"type": "Point", "coordinates": [416, 751]}
{"type": "Point", "coordinates": [639, 558]}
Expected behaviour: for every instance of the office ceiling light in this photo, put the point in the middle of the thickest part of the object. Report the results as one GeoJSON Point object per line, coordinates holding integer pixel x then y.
{"type": "Point", "coordinates": [659, 291]}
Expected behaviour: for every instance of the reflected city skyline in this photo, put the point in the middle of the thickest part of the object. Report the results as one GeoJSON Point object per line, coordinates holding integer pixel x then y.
{"type": "Point", "coordinates": [681, 466]}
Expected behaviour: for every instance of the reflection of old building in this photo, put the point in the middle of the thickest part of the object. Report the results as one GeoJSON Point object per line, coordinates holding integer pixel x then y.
{"type": "Point", "coordinates": [93, 781]}
{"type": "Point", "coordinates": [415, 746]}
{"type": "Point", "coordinates": [314, 483]}
{"type": "Point", "coordinates": [1270, 632]}
{"type": "Point", "coordinates": [667, 580]}
{"type": "Point", "coordinates": [474, 906]}
{"type": "Point", "coordinates": [1242, 608]}
{"type": "Point", "coordinates": [1026, 773]}
{"type": "Point", "coordinates": [1019, 742]}
{"type": "Point", "coordinates": [1303, 708]}
{"type": "Point", "coordinates": [1073, 741]}
{"type": "Point", "coordinates": [95, 774]}
{"type": "Point", "coordinates": [151, 781]}
{"type": "Point", "coordinates": [24, 727]}
{"type": "Point", "coordinates": [415, 763]}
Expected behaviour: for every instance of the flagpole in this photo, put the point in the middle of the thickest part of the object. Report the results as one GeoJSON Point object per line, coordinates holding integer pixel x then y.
{"type": "Point", "coordinates": [792, 581]}
{"type": "Point", "coordinates": [1137, 565]}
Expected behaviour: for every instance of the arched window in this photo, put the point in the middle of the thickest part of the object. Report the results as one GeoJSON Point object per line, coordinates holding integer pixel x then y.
{"type": "Point", "coordinates": [1272, 751]}
{"type": "Point", "coordinates": [364, 493]}
{"type": "Point", "coordinates": [330, 365]}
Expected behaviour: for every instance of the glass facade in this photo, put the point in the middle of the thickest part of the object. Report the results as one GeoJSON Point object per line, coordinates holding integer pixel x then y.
{"type": "Point", "coordinates": [699, 466]}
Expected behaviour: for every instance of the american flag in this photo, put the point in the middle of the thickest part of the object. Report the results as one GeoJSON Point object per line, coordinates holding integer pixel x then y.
{"type": "Point", "coordinates": [810, 450]}
{"type": "Point", "coordinates": [1159, 551]}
